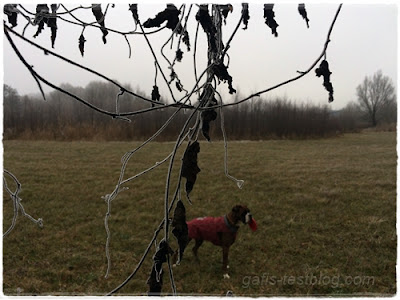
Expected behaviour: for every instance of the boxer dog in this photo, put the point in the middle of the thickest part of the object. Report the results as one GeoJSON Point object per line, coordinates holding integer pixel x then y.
{"type": "Point", "coordinates": [221, 231]}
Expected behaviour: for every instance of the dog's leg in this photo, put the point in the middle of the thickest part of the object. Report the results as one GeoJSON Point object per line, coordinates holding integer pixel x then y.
{"type": "Point", "coordinates": [225, 253]}
{"type": "Point", "coordinates": [196, 248]}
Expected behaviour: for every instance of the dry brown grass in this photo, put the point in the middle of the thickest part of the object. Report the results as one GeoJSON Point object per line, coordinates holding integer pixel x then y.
{"type": "Point", "coordinates": [325, 208]}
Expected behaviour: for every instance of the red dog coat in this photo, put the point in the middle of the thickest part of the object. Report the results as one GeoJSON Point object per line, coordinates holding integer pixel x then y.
{"type": "Point", "coordinates": [207, 228]}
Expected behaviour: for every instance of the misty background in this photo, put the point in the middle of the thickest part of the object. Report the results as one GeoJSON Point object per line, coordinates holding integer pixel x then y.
{"type": "Point", "coordinates": [363, 41]}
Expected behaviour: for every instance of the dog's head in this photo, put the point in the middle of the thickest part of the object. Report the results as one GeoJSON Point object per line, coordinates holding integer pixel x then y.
{"type": "Point", "coordinates": [242, 213]}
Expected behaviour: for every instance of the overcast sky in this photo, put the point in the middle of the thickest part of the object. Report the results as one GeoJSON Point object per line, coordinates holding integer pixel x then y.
{"type": "Point", "coordinates": [363, 41]}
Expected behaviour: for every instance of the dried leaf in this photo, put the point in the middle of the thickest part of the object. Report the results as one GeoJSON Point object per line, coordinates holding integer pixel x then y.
{"type": "Point", "coordinates": [179, 86]}
{"type": "Point", "coordinates": [96, 10]}
{"type": "Point", "coordinates": [303, 13]}
{"type": "Point", "coordinates": [225, 10]}
{"type": "Point", "coordinates": [323, 70]}
{"type": "Point", "coordinates": [179, 55]}
{"type": "Point", "coordinates": [221, 71]}
{"type": "Point", "coordinates": [245, 15]}
{"type": "Point", "coordinates": [160, 257]}
{"type": "Point", "coordinates": [269, 16]}
{"type": "Point", "coordinates": [170, 14]}
{"type": "Point", "coordinates": [42, 11]}
{"type": "Point", "coordinates": [207, 116]}
{"type": "Point", "coordinates": [186, 40]}
{"type": "Point", "coordinates": [180, 228]}
{"type": "Point", "coordinates": [203, 17]}
{"type": "Point", "coordinates": [154, 285]}
{"type": "Point", "coordinates": [155, 95]}
{"type": "Point", "coordinates": [52, 23]}
{"type": "Point", "coordinates": [190, 167]}
{"type": "Point", "coordinates": [172, 76]}
{"type": "Point", "coordinates": [11, 11]}
{"type": "Point", "coordinates": [133, 9]}
{"type": "Point", "coordinates": [82, 44]}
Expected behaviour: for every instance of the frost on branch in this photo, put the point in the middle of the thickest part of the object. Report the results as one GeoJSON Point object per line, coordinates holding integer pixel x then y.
{"type": "Point", "coordinates": [323, 70]}
{"type": "Point", "coordinates": [17, 203]}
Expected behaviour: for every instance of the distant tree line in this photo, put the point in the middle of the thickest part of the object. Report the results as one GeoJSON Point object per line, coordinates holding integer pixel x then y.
{"type": "Point", "coordinates": [62, 118]}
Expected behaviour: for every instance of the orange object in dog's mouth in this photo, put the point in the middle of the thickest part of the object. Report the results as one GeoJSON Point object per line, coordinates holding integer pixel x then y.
{"type": "Point", "coordinates": [253, 224]}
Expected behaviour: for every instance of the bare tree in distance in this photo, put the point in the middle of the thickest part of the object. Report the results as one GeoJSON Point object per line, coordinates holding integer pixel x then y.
{"type": "Point", "coordinates": [375, 95]}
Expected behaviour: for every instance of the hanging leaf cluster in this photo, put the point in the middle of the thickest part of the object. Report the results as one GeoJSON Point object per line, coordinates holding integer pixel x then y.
{"type": "Point", "coordinates": [323, 70]}
{"type": "Point", "coordinates": [269, 16]}
{"type": "Point", "coordinates": [11, 11]}
{"type": "Point", "coordinates": [180, 228]}
{"type": "Point", "coordinates": [303, 13]}
{"type": "Point", "coordinates": [96, 10]}
{"type": "Point", "coordinates": [190, 167]}
{"type": "Point", "coordinates": [42, 17]}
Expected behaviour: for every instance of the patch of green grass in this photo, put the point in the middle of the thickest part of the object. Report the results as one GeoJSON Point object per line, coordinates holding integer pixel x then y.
{"type": "Point", "coordinates": [326, 212]}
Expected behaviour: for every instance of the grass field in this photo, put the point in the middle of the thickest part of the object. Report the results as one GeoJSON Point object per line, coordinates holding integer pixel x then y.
{"type": "Point", "coordinates": [326, 214]}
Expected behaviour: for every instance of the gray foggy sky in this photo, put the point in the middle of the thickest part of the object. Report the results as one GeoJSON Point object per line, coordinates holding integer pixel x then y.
{"type": "Point", "coordinates": [363, 41]}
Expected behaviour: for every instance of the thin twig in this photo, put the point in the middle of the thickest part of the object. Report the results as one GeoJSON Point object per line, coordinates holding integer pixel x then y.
{"type": "Point", "coordinates": [156, 60]}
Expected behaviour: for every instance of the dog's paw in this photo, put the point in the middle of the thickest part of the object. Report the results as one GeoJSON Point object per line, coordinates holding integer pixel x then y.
{"type": "Point", "coordinates": [226, 276]}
